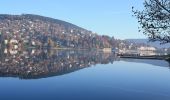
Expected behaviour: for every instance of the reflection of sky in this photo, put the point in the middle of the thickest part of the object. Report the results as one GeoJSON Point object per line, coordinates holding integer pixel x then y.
{"type": "Point", "coordinates": [117, 81]}
{"type": "Point", "coordinates": [149, 61]}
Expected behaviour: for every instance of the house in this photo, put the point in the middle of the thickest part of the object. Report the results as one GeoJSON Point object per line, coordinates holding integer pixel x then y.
{"type": "Point", "coordinates": [107, 49]}
{"type": "Point", "coordinates": [142, 48]}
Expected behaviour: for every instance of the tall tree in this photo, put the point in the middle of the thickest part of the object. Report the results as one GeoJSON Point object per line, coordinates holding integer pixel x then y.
{"type": "Point", "coordinates": [154, 20]}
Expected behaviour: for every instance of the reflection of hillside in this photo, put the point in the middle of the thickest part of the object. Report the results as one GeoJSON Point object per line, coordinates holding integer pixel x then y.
{"type": "Point", "coordinates": [148, 61]}
{"type": "Point", "coordinates": [45, 63]}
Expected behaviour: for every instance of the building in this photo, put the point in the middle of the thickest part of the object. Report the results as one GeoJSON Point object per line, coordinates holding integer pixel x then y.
{"type": "Point", "coordinates": [142, 48]}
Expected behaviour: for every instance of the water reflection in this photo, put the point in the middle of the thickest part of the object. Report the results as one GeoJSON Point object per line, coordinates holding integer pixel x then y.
{"type": "Point", "coordinates": [34, 63]}
{"type": "Point", "coordinates": [154, 62]}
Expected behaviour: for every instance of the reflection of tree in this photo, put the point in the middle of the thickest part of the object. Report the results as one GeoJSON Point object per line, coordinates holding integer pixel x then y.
{"type": "Point", "coordinates": [45, 63]}
{"type": "Point", "coordinates": [169, 63]}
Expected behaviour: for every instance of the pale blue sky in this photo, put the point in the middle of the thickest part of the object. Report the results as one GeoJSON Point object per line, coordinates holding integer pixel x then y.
{"type": "Point", "coordinates": [109, 17]}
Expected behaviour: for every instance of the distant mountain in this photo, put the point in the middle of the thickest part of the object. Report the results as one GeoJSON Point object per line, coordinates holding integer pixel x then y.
{"type": "Point", "coordinates": [40, 31]}
{"type": "Point", "coordinates": [146, 41]}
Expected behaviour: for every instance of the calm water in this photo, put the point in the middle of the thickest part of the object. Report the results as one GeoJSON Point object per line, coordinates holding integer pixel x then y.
{"type": "Point", "coordinates": [81, 75]}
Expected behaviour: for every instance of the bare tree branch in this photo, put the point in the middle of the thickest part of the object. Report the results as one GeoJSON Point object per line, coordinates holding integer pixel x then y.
{"type": "Point", "coordinates": [154, 20]}
{"type": "Point", "coordinates": [162, 6]}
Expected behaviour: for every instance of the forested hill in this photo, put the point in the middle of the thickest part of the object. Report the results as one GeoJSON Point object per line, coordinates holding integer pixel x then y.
{"type": "Point", "coordinates": [36, 30]}
{"type": "Point", "coordinates": [36, 17]}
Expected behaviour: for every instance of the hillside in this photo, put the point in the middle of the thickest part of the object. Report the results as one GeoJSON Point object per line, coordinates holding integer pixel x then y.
{"type": "Point", "coordinates": [40, 31]}
{"type": "Point", "coordinates": [37, 17]}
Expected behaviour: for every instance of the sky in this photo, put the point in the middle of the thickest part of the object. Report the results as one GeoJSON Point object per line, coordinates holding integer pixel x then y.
{"type": "Point", "coordinates": [105, 17]}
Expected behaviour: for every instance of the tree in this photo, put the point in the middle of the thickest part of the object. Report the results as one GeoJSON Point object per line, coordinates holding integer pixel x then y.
{"type": "Point", "coordinates": [154, 20]}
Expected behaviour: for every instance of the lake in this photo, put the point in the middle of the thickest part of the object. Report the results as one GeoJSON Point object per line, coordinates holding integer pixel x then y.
{"type": "Point", "coordinates": [81, 75]}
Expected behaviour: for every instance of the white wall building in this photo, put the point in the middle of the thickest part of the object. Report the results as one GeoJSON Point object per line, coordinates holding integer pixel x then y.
{"type": "Point", "coordinates": [142, 48]}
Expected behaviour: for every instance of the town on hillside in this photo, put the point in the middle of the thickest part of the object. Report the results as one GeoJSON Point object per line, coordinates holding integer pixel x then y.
{"type": "Point", "coordinates": [34, 31]}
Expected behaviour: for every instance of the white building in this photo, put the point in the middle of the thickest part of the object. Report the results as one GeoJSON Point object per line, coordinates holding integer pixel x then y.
{"type": "Point", "coordinates": [142, 48]}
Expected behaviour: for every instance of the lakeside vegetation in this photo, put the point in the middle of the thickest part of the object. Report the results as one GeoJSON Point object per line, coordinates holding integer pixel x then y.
{"type": "Point", "coordinates": [154, 20]}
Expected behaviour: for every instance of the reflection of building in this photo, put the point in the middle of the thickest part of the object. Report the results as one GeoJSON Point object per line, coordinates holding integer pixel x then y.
{"type": "Point", "coordinates": [45, 63]}
{"type": "Point", "coordinates": [147, 53]}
